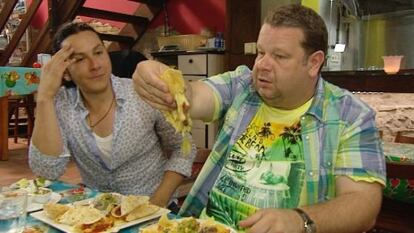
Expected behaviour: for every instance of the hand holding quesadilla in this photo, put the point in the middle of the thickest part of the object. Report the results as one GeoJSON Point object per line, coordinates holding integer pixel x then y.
{"type": "Point", "coordinates": [179, 118]}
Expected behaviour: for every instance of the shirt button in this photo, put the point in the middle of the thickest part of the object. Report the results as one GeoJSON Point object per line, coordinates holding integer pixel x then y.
{"type": "Point", "coordinates": [310, 173]}
{"type": "Point", "coordinates": [307, 137]}
{"type": "Point", "coordinates": [303, 118]}
{"type": "Point", "coordinates": [328, 164]}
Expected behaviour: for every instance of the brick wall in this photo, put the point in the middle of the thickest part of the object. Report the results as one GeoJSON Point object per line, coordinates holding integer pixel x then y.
{"type": "Point", "coordinates": [395, 111]}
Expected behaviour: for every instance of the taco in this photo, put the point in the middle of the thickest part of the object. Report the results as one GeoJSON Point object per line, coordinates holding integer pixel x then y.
{"type": "Point", "coordinates": [142, 211]}
{"type": "Point", "coordinates": [128, 203]}
{"type": "Point", "coordinates": [105, 202]}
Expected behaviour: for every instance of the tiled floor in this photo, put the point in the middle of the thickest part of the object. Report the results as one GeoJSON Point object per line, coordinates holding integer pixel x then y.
{"type": "Point", "coordinates": [17, 166]}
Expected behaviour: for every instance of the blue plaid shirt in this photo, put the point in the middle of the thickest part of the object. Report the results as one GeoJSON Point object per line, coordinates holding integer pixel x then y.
{"type": "Point", "coordinates": [338, 132]}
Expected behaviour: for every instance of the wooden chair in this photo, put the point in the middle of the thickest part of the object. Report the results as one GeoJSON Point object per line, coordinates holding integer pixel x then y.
{"type": "Point", "coordinates": [381, 134]}
{"type": "Point", "coordinates": [396, 216]}
{"type": "Point", "coordinates": [184, 188]}
{"type": "Point", "coordinates": [405, 137]}
{"type": "Point", "coordinates": [16, 120]}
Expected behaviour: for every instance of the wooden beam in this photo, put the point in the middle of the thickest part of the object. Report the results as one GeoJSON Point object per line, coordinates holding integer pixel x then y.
{"type": "Point", "coordinates": [53, 16]}
{"type": "Point", "coordinates": [21, 29]}
{"type": "Point", "coordinates": [157, 3]}
{"type": "Point", "coordinates": [114, 16]}
{"type": "Point", "coordinates": [6, 12]}
{"type": "Point", "coordinates": [118, 38]}
{"type": "Point", "coordinates": [66, 10]}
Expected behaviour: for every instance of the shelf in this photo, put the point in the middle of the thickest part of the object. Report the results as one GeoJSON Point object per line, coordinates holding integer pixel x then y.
{"type": "Point", "coordinates": [372, 81]}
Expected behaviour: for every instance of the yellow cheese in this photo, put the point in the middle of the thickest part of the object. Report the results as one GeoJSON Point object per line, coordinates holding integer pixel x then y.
{"type": "Point", "coordinates": [178, 118]}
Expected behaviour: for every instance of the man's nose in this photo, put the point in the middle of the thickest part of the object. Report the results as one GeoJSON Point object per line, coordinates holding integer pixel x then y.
{"type": "Point", "coordinates": [263, 62]}
{"type": "Point", "coordinates": [93, 63]}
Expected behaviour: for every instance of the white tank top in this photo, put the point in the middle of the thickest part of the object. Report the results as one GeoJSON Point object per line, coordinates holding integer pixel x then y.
{"type": "Point", "coordinates": [105, 146]}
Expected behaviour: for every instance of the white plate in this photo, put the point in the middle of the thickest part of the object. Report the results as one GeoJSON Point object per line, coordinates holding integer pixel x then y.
{"type": "Point", "coordinates": [30, 185]}
{"type": "Point", "coordinates": [34, 206]}
{"type": "Point", "coordinates": [41, 215]}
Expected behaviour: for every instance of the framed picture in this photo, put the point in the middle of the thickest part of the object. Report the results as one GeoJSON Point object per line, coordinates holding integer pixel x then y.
{"type": "Point", "coordinates": [20, 7]}
{"type": "Point", "coordinates": [12, 24]}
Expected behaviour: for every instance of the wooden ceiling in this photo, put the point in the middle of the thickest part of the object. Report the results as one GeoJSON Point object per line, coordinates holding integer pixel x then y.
{"type": "Point", "coordinates": [61, 11]}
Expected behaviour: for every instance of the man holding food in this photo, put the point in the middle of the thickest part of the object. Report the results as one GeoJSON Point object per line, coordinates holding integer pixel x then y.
{"type": "Point", "coordinates": [293, 149]}
{"type": "Point", "coordinates": [119, 142]}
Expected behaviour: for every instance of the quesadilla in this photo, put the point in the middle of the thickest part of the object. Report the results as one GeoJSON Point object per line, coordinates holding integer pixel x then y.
{"type": "Point", "coordinates": [142, 211]}
{"type": "Point", "coordinates": [80, 215]}
{"type": "Point", "coordinates": [179, 118]}
{"type": "Point", "coordinates": [54, 211]}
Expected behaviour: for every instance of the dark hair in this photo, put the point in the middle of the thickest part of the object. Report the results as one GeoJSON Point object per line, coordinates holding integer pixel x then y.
{"type": "Point", "coordinates": [64, 32]}
{"type": "Point", "coordinates": [312, 25]}
{"type": "Point", "coordinates": [67, 30]}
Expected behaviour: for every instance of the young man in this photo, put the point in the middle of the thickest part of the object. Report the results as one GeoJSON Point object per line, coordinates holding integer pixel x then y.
{"type": "Point", "coordinates": [289, 138]}
{"type": "Point", "coordinates": [116, 139]}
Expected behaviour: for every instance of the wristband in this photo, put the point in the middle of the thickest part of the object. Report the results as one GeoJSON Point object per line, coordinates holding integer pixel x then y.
{"type": "Point", "coordinates": [308, 224]}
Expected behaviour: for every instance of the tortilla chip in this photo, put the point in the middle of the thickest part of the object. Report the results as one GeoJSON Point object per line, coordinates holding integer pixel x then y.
{"type": "Point", "coordinates": [142, 211]}
{"type": "Point", "coordinates": [178, 118]}
{"type": "Point", "coordinates": [80, 215]}
{"type": "Point", "coordinates": [54, 211]}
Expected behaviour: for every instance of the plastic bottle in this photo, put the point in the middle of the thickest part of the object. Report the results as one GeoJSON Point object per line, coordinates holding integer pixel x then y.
{"type": "Point", "coordinates": [217, 41]}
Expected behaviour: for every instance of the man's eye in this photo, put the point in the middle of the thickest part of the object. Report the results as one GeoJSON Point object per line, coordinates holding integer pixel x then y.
{"type": "Point", "coordinates": [278, 56]}
{"type": "Point", "coordinates": [78, 59]}
{"type": "Point", "coordinates": [99, 52]}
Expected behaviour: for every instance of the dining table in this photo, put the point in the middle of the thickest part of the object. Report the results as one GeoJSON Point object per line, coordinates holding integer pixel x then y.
{"type": "Point", "coordinates": [14, 81]}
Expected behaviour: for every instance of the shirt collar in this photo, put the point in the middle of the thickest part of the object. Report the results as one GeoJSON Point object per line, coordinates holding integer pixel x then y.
{"type": "Point", "coordinates": [120, 94]}
{"type": "Point", "coordinates": [316, 108]}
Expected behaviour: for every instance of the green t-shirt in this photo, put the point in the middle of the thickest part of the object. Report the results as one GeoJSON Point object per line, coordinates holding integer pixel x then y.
{"type": "Point", "coordinates": [265, 168]}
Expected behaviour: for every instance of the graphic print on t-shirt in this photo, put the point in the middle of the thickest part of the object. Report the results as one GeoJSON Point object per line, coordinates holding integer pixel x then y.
{"type": "Point", "coordinates": [265, 169]}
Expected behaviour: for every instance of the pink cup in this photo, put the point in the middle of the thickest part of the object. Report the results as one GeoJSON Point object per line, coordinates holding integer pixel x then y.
{"type": "Point", "coordinates": [392, 64]}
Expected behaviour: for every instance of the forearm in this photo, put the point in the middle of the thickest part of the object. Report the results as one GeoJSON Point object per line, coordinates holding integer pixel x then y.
{"type": "Point", "coordinates": [46, 166]}
{"type": "Point", "coordinates": [201, 100]}
{"type": "Point", "coordinates": [348, 212]}
{"type": "Point", "coordinates": [46, 133]}
{"type": "Point", "coordinates": [166, 189]}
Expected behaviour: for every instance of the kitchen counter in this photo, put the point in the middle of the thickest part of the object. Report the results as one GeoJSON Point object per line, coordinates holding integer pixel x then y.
{"type": "Point", "coordinates": [372, 80]}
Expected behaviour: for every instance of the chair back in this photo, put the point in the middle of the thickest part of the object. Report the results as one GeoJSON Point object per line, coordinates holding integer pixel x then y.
{"type": "Point", "coordinates": [405, 137]}
{"type": "Point", "coordinates": [124, 62]}
{"type": "Point", "coordinates": [400, 170]}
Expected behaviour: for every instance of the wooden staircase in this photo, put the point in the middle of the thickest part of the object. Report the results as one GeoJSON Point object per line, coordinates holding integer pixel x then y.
{"type": "Point", "coordinates": [61, 11]}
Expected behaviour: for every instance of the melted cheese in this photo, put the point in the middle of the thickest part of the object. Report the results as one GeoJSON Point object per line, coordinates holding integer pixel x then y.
{"type": "Point", "coordinates": [178, 118]}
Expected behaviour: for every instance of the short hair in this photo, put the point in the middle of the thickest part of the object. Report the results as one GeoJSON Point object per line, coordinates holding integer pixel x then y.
{"type": "Point", "coordinates": [67, 30]}
{"type": "Point", "coordinates": [64, 32]}
{"type": "Point", "coordinates": [312, 25]}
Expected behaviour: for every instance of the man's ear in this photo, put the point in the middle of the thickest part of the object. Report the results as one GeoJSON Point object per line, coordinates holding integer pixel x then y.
{"type": "Point", "coordinates": [315, 61]}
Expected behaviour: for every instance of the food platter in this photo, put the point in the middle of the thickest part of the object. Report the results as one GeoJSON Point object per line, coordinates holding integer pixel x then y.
{"type": "Point", "coordinates": [107, 212]}
{"type": "Point", "coordinates": [66, 228]}
{"type": "Point", "coordinates": [189, 224]}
